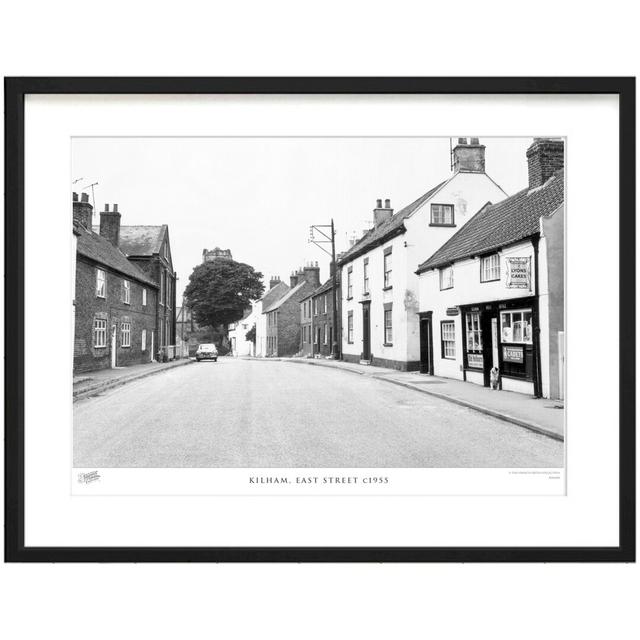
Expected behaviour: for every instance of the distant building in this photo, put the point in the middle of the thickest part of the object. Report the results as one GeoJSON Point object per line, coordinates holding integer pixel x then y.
{"type": "Point", "coordinates": [492, 297]}
{"type": "Point", "coordinates": [238, 342]}
{"type": "Point", "coordinates": [283, 324]}
{"type": "Point", "coordinates": [115, 300]}
{"type": "Point", "coordinates": [319, 314]}
{"type": "Point", "coordinates": [277, 289]}
{"type": "Point", "coordinates": [216, 254]}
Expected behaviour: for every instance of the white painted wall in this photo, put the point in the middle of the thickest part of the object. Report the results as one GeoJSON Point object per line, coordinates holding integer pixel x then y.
{"type": "Point", "coordinates": [244, 347]}
{"type": "Point", "coordinates": [467, 289]}
{"type": "Point", "coordinates": [468, 192]}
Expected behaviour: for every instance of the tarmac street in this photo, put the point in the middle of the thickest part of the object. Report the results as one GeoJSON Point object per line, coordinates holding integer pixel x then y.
{"type": "Point", "coordinates": [264, 413]}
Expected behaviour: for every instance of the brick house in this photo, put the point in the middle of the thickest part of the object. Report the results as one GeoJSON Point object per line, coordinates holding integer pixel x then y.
{"type": "Point", "coordinates": [322, 318]}
{"type": "Point", "coordinates": [149, 249]}
{"type": "Point", "coordinates": [283, 328]}
{"type": "Point", "coordinates": [306, 326]}
{"type": "Point", "coordinates": [277, 289]}
{"type": "Point", "coordinates": [114, 301]}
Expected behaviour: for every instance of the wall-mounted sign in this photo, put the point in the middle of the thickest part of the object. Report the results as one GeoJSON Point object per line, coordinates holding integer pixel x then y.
{"type": "Point", "coordinates": [518, 273]}
{"type": "Point", "coordinates": [513, 354]}
{"type": "Point", "coordinates": [453, 311]}
{"type": "Point", "coordinates": [475, 360]}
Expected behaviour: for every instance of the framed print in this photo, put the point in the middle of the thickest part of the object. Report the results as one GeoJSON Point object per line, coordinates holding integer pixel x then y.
{"type": "Point", "coordinates": [320, 319]}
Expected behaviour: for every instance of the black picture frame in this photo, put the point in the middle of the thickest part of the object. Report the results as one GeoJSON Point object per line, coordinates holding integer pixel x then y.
{"type": "Point", "coordinates": [15, 91]}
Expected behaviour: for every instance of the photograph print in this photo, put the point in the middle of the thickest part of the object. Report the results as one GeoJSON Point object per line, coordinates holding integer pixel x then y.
{"type": "Point", "coordinates": [318, 303]}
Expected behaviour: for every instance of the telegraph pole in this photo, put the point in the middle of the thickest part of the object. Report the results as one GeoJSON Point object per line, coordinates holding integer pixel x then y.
{"type": "Point", "coordinates": [334, 281]}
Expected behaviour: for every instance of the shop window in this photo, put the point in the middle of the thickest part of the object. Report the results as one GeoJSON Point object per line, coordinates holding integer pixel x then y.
{"type": "Point", "coordinates": [442, 215]}
{"type": "Point", "coordinates": [474, 340]}
{"type": "Point", "coordinates": [448, 335]}
{"type": "Point", "coordinates": [446, 278]}
{"type": "Point", "coordinates": [516, 327]}
{"type": "Point", "coordinates": [490, 268]}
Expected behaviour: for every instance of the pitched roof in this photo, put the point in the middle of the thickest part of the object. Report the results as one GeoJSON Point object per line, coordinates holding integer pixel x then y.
{"type": "Point", "coordinates": [274, 293]}
{"type": "Point", "coordinates": [387, 229]}
{"type": "Point", "coordinates": [95, 247]}
{"type": "Point", "coordinates": [142, 240]}
{"type": "Point", "coordinates": [327, 286]}
{"type": "Point", "coordinates": [280, 301]}
{"type": "Point", "coordinates": [501, 224]}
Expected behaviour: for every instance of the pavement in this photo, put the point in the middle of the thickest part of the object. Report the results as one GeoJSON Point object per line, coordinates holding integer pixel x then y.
{"type": "Point", "coordinates": [95, 382]}
{"type": "Point", "coordinates": [239, 413]}
{"type": "Point", "coordinates": [541, 415]}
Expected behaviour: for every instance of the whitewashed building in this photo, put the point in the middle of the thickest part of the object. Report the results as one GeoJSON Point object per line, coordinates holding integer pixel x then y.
{"type": "Point", "coordinates": [237, 332]}
{"type": "Point", "coordinates": [380, 323]}
{"type": "Point", "coordinates": [493, 295]}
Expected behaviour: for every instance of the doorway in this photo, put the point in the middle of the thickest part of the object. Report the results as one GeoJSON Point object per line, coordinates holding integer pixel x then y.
{"type": "Point", "coordinates": [426, 344]}
{"type": "Point", "coordinates": [366, 330]}
{"type": "Point", "coordinates": [490, 351]}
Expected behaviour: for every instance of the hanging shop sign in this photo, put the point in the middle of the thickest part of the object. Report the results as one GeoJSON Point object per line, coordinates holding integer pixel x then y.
{"type": "Point", "coordinates": [518, 273]}
{"type": "Point", "coordinates": [513, 354]}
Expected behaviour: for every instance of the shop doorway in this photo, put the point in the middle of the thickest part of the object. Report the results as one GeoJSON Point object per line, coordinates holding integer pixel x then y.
{"type": "Point", "coordinates": [366, 331]}
{"type": "Point", "coordinates": [426, 345]}
{"type": "Point", "coordinates": [490, 351]}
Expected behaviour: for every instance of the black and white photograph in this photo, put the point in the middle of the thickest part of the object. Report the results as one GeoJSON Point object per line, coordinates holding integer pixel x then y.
{"type": "Point", "coordinates": [318, 302]}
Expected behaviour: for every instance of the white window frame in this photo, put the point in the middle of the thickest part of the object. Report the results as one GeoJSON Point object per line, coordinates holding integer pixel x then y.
{"type": "Point", "coordinates": [144, 297]}
{"type": "Point", "coordinates": [324, 334]}
{"type": "Point", "coordinates": [99, 333]}
{"type": "Point", "coordinates": [101, 283]}
{"type": "Point", "coordinates": [388, 326]}
{"type": "Point", "coordinates": [490, 268]}
{"type": "Point", "coordinates": [349, 283]}
{"type": "Point", "coordinates": [125, 334]}
{"type": "Point", "coordinates": [324, 303]}
{"type": "Point", "coordinates": [388, 269]}
{"type": "Point", "coordinates": [126, 291]}
{"type": "Point", "coordinates": [143, 340]}
{"type": "Point", "coordinates": [315, 306]}
{"type": "Point", "coordinates": [439, 217]}
{"type": "Point", "coordinates": [446, 278]}
{"type": "Point", "coordinates": [350, 327]}
{"type": "Point", "coordinates": [365, 276]}
{"type": "Point", "coordinates": [448, 338]}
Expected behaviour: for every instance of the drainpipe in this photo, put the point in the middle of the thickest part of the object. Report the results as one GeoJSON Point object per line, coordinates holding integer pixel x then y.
{"type": "Point", "coordinates": [537, 378]}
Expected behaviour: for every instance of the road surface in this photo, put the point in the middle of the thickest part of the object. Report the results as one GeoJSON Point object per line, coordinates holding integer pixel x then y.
{"type": "Point", "coordinates": [264, 413]}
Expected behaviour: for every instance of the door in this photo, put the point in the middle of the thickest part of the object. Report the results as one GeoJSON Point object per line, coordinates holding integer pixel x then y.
{"type": "Point", "coordinates": [490, 344]}
{"type": "Point", "coordinates": [366, 331]}
{"type": "Point", "coordinates": [426, 346]}
{"type": "Point", "coordinates": [153, 353]}
{"type": "Point", "coordinates": [113, 346]}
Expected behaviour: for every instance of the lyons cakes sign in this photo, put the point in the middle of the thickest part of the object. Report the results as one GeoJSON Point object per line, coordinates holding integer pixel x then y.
{"type": "Point", "coordinates": [518, 273]}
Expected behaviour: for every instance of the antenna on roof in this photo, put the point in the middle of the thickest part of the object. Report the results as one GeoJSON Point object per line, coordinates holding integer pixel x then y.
{"type": "Point", "coordinates": [450, 154]}
{"type": "Point", "coordinates": [93, 195]}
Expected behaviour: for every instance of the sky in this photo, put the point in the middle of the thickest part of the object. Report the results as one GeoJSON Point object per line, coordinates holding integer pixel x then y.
{"type": "Point", "coordinates": [259, 196]}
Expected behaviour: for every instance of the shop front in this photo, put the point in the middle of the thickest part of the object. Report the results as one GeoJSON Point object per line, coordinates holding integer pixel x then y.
{"type": "Point", "coordinates": [501, 335]}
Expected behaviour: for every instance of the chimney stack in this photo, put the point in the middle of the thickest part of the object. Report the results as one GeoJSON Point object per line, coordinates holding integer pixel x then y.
{"type": "Point", "coordinates": [545, 156]}
{"type": "Point", "coordinates": [293, 279]}
{"type": "Point", "coordinates": [468, 157]}
{"type": "Point", "coordinates": [110, 224]}
{"type": "Point", "coordinates": [82, 210]}
{"type": "Point", "coordinates": [274, 282]}
{"type": "Point", "coordinates": [311, 273]}
{"type": "Point", "coordinates": [382, 214]}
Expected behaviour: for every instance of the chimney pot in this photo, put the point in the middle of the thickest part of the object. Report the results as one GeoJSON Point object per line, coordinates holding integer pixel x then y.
{"type": "Point", "coordinates": [115, 208]}
{"type": "Point", "coordinates": [474, 141]}
{"type": "Point", "coordinates": [462, 141]}
{"type": "Point", "coordinates": [106, 207]}
{"type": "Point", "coordinates": [84, 197]}
{"type": "Point", "coordinates": [387, 204]}
{"type": "Point", "coordinates": [82, 211]}
{"type": "Point", "coordinates": [75, 197]}
{"type": "Point", "coordinates": [110, 225]}
{"type": "Point", "coordinates": [379, 204]}
{"type": "Point", "coordinates": [381, 214]}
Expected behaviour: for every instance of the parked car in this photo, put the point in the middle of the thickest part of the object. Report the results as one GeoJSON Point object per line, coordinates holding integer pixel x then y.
{"type": "Point", "coordinates": [207, 352]}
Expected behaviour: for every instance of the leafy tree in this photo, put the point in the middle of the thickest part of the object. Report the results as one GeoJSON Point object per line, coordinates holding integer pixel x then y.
{"type": "Point", "coordinates": [251, 335]}
{"type": "Point", "coordinates": [219, 292]}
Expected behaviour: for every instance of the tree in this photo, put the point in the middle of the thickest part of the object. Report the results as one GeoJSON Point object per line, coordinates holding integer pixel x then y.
{"type": "Point", "coordinates": [219, 292]}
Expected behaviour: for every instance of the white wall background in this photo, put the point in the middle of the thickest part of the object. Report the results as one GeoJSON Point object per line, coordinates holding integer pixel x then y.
{"type": "Point", "coordinates": [361, 38]}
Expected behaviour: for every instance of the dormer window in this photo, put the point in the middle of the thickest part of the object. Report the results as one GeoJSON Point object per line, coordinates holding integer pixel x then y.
{"type": "Point", "coordinates": [442, 215]}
